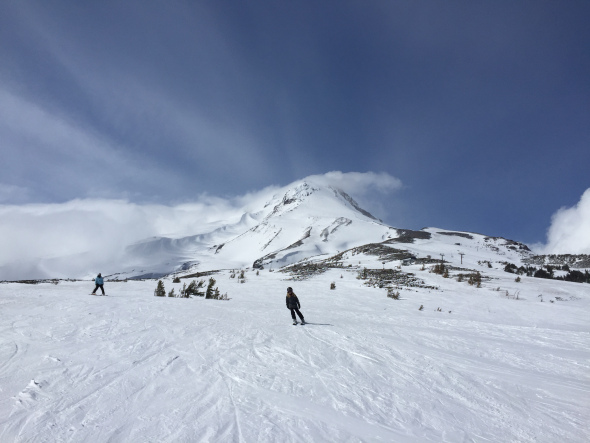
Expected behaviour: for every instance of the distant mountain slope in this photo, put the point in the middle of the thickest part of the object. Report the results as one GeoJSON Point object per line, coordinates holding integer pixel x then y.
{"type": "Point", "coordinates": [460, 251]}
{"type": "Point", "coordinates": [300, 221]}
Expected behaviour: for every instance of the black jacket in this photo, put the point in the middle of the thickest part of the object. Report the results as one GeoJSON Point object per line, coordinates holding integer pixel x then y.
{"type": "Point", "coordinates": [293, 302]}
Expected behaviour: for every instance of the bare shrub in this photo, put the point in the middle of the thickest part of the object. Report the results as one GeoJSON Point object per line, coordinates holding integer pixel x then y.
{"type": "Point", "coordinates": [391, 293]}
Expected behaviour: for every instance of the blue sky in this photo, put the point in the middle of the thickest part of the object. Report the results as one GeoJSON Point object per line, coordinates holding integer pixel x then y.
{"type": "Point", "coordinates": [481, 109]}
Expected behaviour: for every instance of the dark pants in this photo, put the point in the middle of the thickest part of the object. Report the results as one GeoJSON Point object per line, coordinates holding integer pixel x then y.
{"type": "Point", "coordinates": [101, 288]}
{"type": "Point", "coordinates": [293, 311]}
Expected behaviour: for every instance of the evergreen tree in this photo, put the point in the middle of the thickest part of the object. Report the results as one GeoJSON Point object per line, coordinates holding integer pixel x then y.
{"type": "Point", "coordinates": [209, 291]}
{"type": "Point", "coordinates": [160, 291]}
{"type": "Point", "coordinates": [193, 288]}
{"type": "Point", "coordinates": [510, 267]}
{"type": "Point", "coordinates": [541, 273]}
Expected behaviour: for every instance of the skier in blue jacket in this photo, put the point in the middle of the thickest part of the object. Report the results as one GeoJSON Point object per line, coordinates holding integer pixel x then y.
{"type": "Point", "coordinates": [99, 284]}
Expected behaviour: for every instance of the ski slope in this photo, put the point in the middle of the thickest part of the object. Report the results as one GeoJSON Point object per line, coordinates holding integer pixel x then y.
{"type": "Point", "coordinates": [133, 367]}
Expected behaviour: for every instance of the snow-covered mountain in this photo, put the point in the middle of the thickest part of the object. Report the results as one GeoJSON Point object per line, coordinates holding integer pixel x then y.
{"type": "Point", "coordinates": [298, 222]}
{"type": "Point", "coordinates": [303, 222]}
{"type": "Point", "coordinates": [411, 336]}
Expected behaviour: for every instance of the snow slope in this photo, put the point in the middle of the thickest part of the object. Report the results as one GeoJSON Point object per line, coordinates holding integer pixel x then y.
{"type": "Point", "coordinates": [134, 367]}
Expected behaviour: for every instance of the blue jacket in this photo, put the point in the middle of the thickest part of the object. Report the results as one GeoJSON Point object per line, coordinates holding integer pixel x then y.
{"type": "Point", "coordinates": [98, 281]}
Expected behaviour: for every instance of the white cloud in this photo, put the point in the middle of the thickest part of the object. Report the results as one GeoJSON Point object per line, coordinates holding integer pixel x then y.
{"type": "Point", "coordinates": [569, 232]}
{"type": "Point", "coordinates": [56, 152]}
{"type": "Point", "coordinates": [92, 232]}
{"type": "Point", "coordinates": [370, 189]}
{"type": "Point", "coordinates": [359, 183]}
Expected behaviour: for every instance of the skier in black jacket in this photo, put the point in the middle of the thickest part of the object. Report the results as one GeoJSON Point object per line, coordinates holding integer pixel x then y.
{"type": "Point", "coordinates": [294, 305]}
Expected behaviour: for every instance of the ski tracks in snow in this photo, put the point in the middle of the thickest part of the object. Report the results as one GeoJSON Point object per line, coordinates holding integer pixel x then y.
{"type": "Point", "coordinates": [140, 368]}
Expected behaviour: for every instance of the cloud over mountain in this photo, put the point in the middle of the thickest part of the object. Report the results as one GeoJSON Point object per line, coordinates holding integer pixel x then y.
{"type": "Point", "coordinates": [358, 183]}
{"type": "Point", "coordinates": [570, 229]}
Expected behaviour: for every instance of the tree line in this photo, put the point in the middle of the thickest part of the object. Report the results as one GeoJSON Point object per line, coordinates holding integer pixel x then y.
{"type": "Point", "coordinates": [548, 272]}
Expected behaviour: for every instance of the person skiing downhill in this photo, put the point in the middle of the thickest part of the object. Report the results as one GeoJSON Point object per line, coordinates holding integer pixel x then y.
{"type": "Point", "coordinates": [294, 305]}
{"type": "Point", "coordinates": [99, 284]}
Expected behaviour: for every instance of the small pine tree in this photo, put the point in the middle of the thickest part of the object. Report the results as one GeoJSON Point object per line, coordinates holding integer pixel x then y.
{"type": "Point", "coordinates": [333, 285]}
{"type": "Point", "coordinates": [172, 293]}
{"type": "Point", "coordinates": [475, 280]}
{"type": "Point", "coordinates": [176, 280]}
{"type": "Point", "coordinates": [193, 288]}
{"type": "Point", "coordinates": [478, 280]}
{"type": "Point", "coordinates": [439, 269]}
{"type": "Point", "coordinates": [160, 291]}
{"type": "Point", "coordinates": [209, 291]}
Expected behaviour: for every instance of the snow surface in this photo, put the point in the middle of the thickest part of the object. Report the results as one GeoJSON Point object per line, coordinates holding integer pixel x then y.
{"type": "Point", "coordinates": [134, 367]}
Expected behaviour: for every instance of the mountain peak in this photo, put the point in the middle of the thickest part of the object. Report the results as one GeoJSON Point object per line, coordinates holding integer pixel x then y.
{"type": "Point", "coordinates": [298, 193]}
{"type": "Point", "coordinates": [318, 197]}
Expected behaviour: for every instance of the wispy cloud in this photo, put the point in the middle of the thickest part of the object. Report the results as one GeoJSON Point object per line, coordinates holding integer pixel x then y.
{"type": "Point", "coordinates": [121, 116]}
{"type": "Point", "coordinates": [359, 183]}
{"type": "Point", "coordinates": [80, 235]}
{"type": "Point", "coordinates": [569, 232]}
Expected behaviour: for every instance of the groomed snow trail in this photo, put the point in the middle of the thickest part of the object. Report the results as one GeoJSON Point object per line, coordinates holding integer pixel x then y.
{"type": "Point", "coordinates": [134, 367]}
